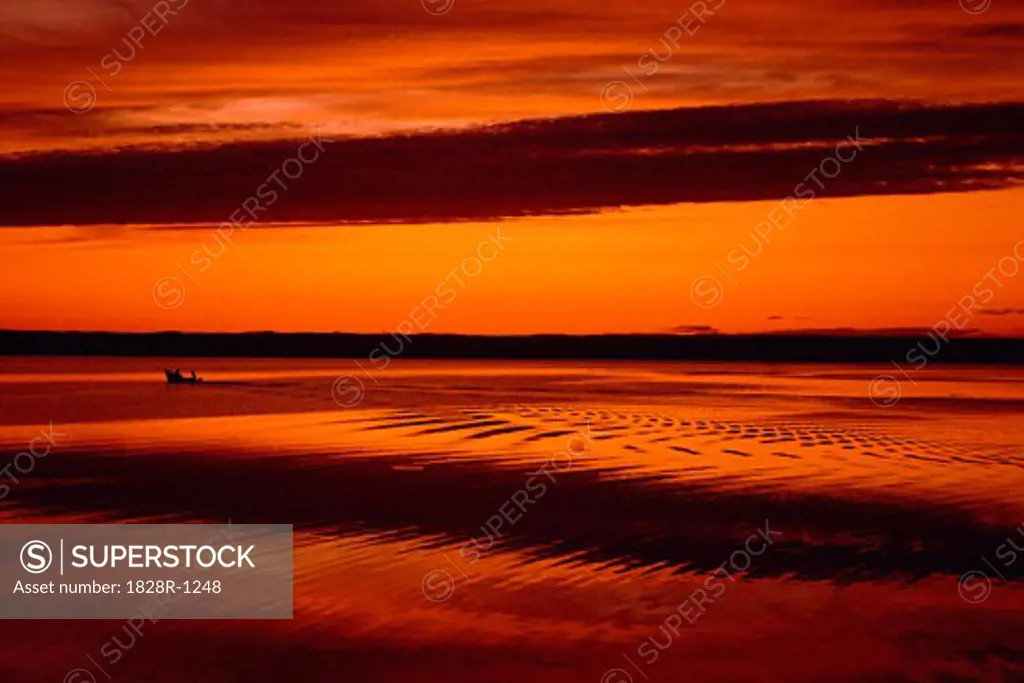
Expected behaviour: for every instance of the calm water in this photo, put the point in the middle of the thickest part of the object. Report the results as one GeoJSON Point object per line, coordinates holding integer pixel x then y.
{"type": "Point", "coordinates": [493, 521]}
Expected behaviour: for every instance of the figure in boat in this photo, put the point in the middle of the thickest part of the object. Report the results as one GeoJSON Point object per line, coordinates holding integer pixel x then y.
{"type": "Point", "coordinates": [174, 376]}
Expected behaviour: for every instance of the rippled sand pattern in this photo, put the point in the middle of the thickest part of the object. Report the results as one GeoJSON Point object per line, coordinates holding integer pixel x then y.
{"type": "Point", "coordinates": [427, 548]}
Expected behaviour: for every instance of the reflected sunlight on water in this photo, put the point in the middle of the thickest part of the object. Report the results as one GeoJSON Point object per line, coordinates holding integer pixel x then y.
{"type": "Point", "coordinates": [515, 514]}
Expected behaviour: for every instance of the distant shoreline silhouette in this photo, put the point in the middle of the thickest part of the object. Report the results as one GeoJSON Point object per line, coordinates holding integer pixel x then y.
{"type": "Point", "coordinates": [705, 347]}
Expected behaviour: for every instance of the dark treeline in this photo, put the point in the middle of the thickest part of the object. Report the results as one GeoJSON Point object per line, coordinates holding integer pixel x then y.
{"type": "Point", "coordinates": [712, 347]}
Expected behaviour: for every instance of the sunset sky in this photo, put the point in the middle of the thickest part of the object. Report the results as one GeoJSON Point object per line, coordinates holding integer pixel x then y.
{"type": "Point", "coordinates": [628, 154]}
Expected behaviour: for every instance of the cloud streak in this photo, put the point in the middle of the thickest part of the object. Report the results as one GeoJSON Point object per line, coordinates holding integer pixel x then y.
{"type": "Point", "coordinates": [566, 165]}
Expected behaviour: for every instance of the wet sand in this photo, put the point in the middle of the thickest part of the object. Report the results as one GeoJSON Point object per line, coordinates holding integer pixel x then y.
{"type": "Point", "coordinates": [488, 521]}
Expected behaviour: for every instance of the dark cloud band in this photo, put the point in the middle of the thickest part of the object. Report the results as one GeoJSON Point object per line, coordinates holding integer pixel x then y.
{"type": "Point", "coordinates": [539, 167]}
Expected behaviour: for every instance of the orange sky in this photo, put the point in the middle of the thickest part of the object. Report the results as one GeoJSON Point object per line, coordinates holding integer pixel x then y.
{"type": "Point", "coordinates": [227, 72]}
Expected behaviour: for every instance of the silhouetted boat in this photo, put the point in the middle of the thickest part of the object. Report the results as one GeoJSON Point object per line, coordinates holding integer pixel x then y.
{"type": "Point", "coordinates": [174, 376]}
